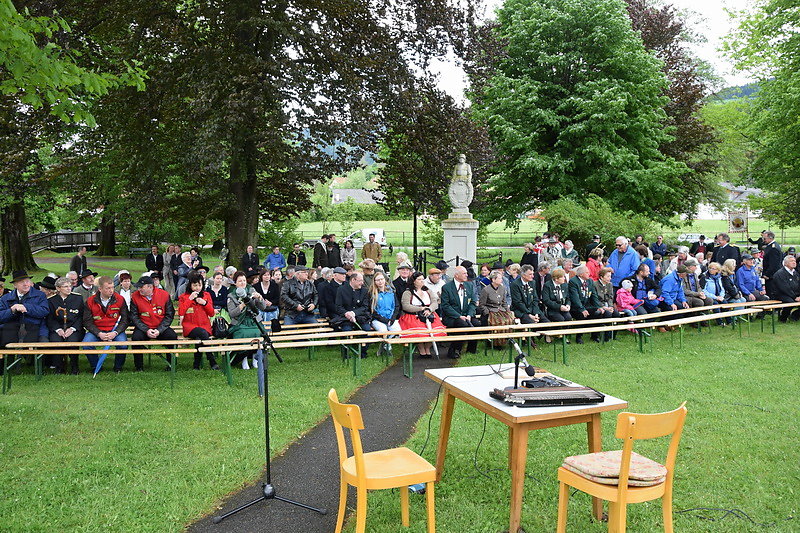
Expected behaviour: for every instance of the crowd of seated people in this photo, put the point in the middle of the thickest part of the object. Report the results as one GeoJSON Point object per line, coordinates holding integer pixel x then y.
{"type": "Point", "coordinates": [551, 282]}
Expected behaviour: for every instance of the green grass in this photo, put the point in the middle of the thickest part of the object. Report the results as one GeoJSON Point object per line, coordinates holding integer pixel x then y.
{"type": "Point", "coordinates": [739, 448]}
{"type": "Point", "coordinates": [126, 453]}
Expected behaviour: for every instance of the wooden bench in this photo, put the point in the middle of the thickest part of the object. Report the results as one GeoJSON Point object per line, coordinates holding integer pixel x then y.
{"type": "Point", "coordinates": [72, 348]}
{"type": "Point", "coordinates": [773, 306]}
{"type": "Point", "coordinates": [138, 251]}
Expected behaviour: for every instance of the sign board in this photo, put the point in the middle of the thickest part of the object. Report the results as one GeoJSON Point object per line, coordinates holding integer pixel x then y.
{"type": "Point", "coordinates": [737, 221]}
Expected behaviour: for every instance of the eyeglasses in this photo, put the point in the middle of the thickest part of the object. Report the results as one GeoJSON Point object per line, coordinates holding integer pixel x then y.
{"type": "Point", "coordinates": [619, 245]}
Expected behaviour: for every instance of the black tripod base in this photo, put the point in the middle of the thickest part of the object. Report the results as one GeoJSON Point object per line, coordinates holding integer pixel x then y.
{"type": "Point", "coordinates": [268, 493]}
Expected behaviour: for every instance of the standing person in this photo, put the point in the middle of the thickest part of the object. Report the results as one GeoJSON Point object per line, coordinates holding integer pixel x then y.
{"type": "Point", "coordinates": [154, 262]}
{"type": "Point", "coordinates": [296, 256]}
{"type": "Point", "coordinates": [383, 304]}
{"type": "Point", "coordinates": [328, 291]}
{"type": "Point", "coordinates": [184, 268]}
{"type": "Point", "coordinates": [334, 252]}
{"type": "Point", "coordinates": [372, 250]}
{"type": "Point", "coordinates": [594, 263]}
{"type": "Point", "coordinates": [458, 309]}
{"type": "Point", "coordinates": [300, 299]}
{"type": "Point", "coordinates": [166, 271]}
{"type": "Point", "coordinates": [773, 260]}
{"type": "Point", "coordinates": [760, 242]}
{"type": "Point", "coordinates": [174, 264]}
{"type": "Point", "coordinates": [195, 310]}
{"type": "Point", "coordinates": [105, 317]}
{"type": "Point", "coordinates": [726, 251]}
{"type": "Point", "coordinates": [786, 288]}
{"type": "Point", "coordinates": [271, 293]}
{"type": "Point", "coordinates": [699, 246]}
{"type": "Point", "coordinates": [624, 261]}
{"type": "Point", "coordinates": [749, 282]}
{"type": "Point", "coordinates": [555, 297]}
{"type": "Point", "coordinates": [529, 256]}
{"type": "Point", "coordinates": [593, 245]}
{"type": "Point", "coordinates": [584, 304]}
{"type": "Point", "coordinates": [525, 298]}
{"type": "Point", "coordinates": [196, 260]}
{"type": "Point", "coordinates": [243, 323]}
{"type": "Point", "coordinates": [249, 262]}
{"type": "Point", "coordinates": [151, 315]}
{"type": "Point", "coordinates": [275, 260]}
{"type": "Point", "coordinates": [86, 287]}
{"type": "Point", "coordinates": [78, 263]}
{"type": "Point", "coordinates": [23, 313]}
{"type": "Point", "coordinates": [352, 308]}
{"type": "Point", "coordinates": [348, 254]}
{"type": "Point", "coordinates": [419, 307]}
{"type": "Point", "coordinates": [659, 247]}
{"type": "Point", "coordinates": [321, 253]}
{"type": "Point", "coordinates": [65, 321]}
{"type": "Point", "coordinates": [401, 281]}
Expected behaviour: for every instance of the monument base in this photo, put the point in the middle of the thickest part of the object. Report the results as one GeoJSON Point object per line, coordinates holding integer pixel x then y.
{"type": "Point", "coordinates": [460, 238]}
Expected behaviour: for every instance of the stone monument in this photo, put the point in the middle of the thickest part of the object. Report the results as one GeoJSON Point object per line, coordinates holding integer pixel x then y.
{"type": "Point", "coordinates": [460, 229]}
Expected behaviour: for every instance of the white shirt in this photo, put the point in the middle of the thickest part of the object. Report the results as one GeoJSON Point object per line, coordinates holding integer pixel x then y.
{"type": "Point", "coordinates": [435, 288]}
{"type": "Point", "coordinates": [126, 295]}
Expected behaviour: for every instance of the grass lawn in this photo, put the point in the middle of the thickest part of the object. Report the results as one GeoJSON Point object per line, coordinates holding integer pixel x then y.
{"type": "Point", "coordinates": [739, 447]}
{"type": "Point", "coordinates": [126, 453]}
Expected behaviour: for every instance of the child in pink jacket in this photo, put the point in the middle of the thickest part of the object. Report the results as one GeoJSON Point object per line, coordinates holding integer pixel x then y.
{"type": "Point", "coordinates": [626, 302]}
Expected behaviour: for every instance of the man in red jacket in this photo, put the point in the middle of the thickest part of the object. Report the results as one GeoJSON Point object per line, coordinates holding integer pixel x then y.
{"type": "Point", "coordinates": [151, 314]}
{"type": "Point", "coordinates": [105, 318]}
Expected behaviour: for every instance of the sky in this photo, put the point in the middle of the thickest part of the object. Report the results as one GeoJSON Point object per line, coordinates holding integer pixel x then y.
{"type": "Point", "coordinates": [707, 17]}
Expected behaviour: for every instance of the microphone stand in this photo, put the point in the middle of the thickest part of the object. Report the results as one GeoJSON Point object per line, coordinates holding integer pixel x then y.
{"type": "Point", "coordinates": [268, 491]}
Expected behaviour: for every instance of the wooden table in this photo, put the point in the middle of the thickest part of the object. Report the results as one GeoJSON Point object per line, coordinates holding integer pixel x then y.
{"type": "Point", "coordinates": [461, 383]}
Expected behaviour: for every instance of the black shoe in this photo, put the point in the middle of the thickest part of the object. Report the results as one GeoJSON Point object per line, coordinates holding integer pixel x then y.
{"type": "Point", "coordinates": [596, 339]}
{"type": "Point", "coordinates": [139, 370]}
{"type": "Point", "coordinates": [215, 367]}
{"type": "Point", "coordinates": [578, 340]}
{"type": "Point", "coordinates": [425, 356]}
{"type": "Point", "coordinates": [167, 368]}
{"type": "Point", "coordinates": [455, 354]}
{"type": "Point", "coordinates": [74, 372]}
{"type": "Point", "coordinates": [117, 370]}
{"type": "Point", "coordinates": [196, 368]}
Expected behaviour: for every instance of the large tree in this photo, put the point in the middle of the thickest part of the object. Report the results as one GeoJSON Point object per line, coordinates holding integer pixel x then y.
{"type": "Point", "coordinates": [575, 106]}
{"type": "Point", "coordinates": [767, 44]}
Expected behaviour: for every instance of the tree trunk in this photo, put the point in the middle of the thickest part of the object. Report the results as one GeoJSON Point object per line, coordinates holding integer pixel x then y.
{"type": "Point", "coordinates": [108, 236]}
{"type": "Point", "coordinates": [15, 249]}
{"type": "Point", "coordinates": [241, 221]}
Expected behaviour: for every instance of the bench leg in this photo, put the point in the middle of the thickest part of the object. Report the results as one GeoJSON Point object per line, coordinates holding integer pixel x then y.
{"type": "Point", "coordinates": [38, 365]}
{"type": "Point", "coordinates": [5, 373]}
{"type": "Point", "coordinates": [774, 312]}
{"type": "Point", "coordinates": [172, 368]}
{"type": "Point", "coordinates": [408, 362]}
{"type": "Point", "coordinates": [226, 367]}
{"type": "Point", "coordinates": [680, 337]}
{"type": "Point", "coordinates": [564, 349]}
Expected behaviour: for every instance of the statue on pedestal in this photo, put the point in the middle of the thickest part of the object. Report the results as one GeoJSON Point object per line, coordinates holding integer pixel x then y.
{"type": "Point", "coordinates": [461, 191]}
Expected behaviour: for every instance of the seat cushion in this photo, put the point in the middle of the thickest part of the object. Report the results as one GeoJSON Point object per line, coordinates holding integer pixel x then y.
{"type": "Point", "coordinates": [603, 467]}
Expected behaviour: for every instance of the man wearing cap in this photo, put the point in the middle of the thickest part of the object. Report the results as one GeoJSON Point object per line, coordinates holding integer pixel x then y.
{"type": "Point", "coordinates": [151, 315]}
{"type": "Point", "coordinates": [154, 261]}
{"type": "Point", "coordinates": [157, 280]}
{"type": "Point", "coordinates": [457, 306]}
{"type": "Point", "coordinates": [434, 281]}
{"type": "Point", "coordinates": [328, 290]}
{"type": "Point", "coordinates": [299, 298]}
{"type": "Point", "coordinates": [86, 287]}
{"type": "Point", "coordinates": [48, 285]}
{"type": "Point", "coordinates": [372, 250]}
{"type": "Point", "coordinates": [367, 267]}
{"type": "Point", "coordinates": [296, 256]}
{"type": "Point", "coordinates": [401, 281]}
{"type": "Point", "coordinates": [105, 317]}
{"type": "Point", "coordinates": [592, 245]}
{"type": "Point", "coordinates": [748, 280]}
{"type": "Point", "coordinates": [443, 266]}
{"type": "Point", "coordinates": [672, 289]}
{"type": "Point", "coordinates": [23, 313]}
{"type": "Point", "coordinates": [693, 285]}
{"type": "Point", "coordinates": [78, 263]}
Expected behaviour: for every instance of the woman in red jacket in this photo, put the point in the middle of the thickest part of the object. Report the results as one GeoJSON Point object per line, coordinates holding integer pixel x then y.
{"type": "Point", "coordinates": [196, 309]}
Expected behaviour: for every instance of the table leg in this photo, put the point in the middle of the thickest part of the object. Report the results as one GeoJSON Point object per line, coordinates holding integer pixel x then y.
{"type": "Point", "coordinates": [595, 445]}
{"type": "Point", "coordinates": [510, 447]}
{"type": "Point", "coordinates": [448, 402]}
{"type": "Point", "coordinates": [519, 458]}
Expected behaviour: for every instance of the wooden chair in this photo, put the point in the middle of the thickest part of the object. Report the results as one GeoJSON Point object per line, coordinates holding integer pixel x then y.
{"type": "Point", "coordinates": [385, 469]}
{"type": "Point", "coordinates": [624, 477]}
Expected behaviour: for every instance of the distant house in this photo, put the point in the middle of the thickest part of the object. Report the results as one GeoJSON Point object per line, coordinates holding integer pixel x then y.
{"type": "Point", "coordinates": [359, 196]}
{"type": "Point", "coordinates": [737, 195]}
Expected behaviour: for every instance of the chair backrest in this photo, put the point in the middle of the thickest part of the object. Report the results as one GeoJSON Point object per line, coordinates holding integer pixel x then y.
{"type": "Point", "coordinates": [634, 426]}
{"type": "Point", "coordinates": [348, 416]}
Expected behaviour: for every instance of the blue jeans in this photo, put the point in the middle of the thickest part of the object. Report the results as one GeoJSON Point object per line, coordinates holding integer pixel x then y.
{"type": "Point", "coordinates": [119, 359]}
{"type": "Point", "coordinates": [301, 317]}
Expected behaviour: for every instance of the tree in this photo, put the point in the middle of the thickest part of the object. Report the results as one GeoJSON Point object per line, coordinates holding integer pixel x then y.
{"type": "Point", "coordinates": [767, 43]}
{"type": "Point", "coordinates": [575, 106]}
{"type": "Point", "coordinates": [664, 33]}
{"type": "Point", "coordinates": [736, 148]}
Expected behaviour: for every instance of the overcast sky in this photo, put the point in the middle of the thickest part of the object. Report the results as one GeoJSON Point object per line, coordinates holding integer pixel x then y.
{"type": "Point", "coordinates": [707, 17]}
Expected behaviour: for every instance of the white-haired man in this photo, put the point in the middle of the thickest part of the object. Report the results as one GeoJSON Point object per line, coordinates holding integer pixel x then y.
{"type": "Point", "coordinates": [623, 260]}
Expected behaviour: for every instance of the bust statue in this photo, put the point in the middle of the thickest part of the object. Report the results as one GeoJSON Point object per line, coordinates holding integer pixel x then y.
{"type": "Point", "coordinates": [461, 191]}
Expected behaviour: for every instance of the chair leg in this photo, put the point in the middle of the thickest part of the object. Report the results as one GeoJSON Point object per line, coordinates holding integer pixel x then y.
{"type": "Point", "coordinates": [404, 505]}
{"type": "Point", "coordinates": [666, 505]}
{"type": "Point", "coordinates": [563, 500]}
{"type": "Point", "coordinates": [431, 507]}
{"type": "Point", "coordinates": [361, 510]}
{"type": "Point", "coordinates": [342, 505]}
{"type": "Point", "coordinates": [616, 517]}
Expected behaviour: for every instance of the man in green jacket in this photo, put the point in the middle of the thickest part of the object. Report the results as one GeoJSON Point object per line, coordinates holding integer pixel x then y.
{"type": "Point", "coordinates": [524, 298]}
{"type": "Point", "coordinates": [457, 307]}
{"type": "Point", "coordinates": [584, 304]}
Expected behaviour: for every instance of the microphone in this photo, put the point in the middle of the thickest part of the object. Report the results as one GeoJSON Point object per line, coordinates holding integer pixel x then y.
{"type": "Point", "coordinates": [529, 369]}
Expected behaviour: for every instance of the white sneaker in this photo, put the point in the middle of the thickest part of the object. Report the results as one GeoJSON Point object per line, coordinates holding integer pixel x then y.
{"type": "Point", "coordinates": [255, 363]}
{"type": "Point", "coordinates": [245, 366]}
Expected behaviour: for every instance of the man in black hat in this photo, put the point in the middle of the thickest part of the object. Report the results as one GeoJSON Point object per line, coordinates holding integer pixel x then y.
{"type": "Point", "coordinates": [86, 287]}
{"type": "Point", "coordinates": [48, 285]}
{"type": "Point", "coordinates": [443, 266]}
{"type": "Point", "coordinates": [78, 263]}
{"type": "Point", "coordinates": [23, 313]}
{"type": "Point", "coordinates": [3, 289]}
{"type": "Point", "coordinates": [328, 291]}
{"type": "Point", "coordinates": [592, 245]}
{"type": "Point", "coordinates": [299, 298]}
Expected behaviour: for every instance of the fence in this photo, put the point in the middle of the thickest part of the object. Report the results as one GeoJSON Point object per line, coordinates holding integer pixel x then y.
{"type": "Point", "coordinates": [428, 259]}
{"type": "Point", "coordinates": [69, 240]}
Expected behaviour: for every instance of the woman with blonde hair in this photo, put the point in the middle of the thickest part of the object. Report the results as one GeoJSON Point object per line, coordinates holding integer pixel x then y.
{"type": "Point", "coordinates": [731, 288]}
{"type": "Point", "coordinates": [383, 304]}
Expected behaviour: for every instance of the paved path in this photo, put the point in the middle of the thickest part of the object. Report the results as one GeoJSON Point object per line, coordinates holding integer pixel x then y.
{"type": "Point", "coordinates": [308, 471]}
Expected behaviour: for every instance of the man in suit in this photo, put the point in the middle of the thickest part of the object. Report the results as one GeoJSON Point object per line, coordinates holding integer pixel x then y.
{"type": "Point", "coordinates": [773, 258]}
{"type": "Point", "coordinates": [321, 253]}
{"type": "Point", "coordinates": [726, 251]}
{"type": "Point", "coordinates": [155, 261]}
{"type": "Point", "coordinates": [250, 262]}
{"type": "Point", "coordinates": [328, 291]}
{"type": "Point", "coordinates": [525, 298]}
{"type": "Point", "coordinates": [78, 263]}
{"type": "Point", "coordinates": [297, 257]}
{"type": "Point", "coordinates": [334, 252]}
{"type": "Point", "coordinates": [457, 307]}
{"type": "Point", "coordinates": [352, 310]}
{"type": "Point", "coordinates": [584, 304]}
{"type": "Point", "coordinates": [541, 277]}
{"type": "Point", "coordinates": [23, 313]}
{"type": "Point", "coordinates": [700, 246]}
{"type": "Point", "coordinates": [786, 287]}
{"type": "Point", "coordinates": [595, 243]}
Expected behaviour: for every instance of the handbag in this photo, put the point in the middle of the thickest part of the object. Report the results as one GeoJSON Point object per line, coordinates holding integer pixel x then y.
{"type": "Point", "coordinates": [219, 327]}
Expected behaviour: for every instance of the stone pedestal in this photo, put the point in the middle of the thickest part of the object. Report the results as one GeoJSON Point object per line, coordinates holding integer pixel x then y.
{"type": "Point", "coordinates": [460, 237]}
